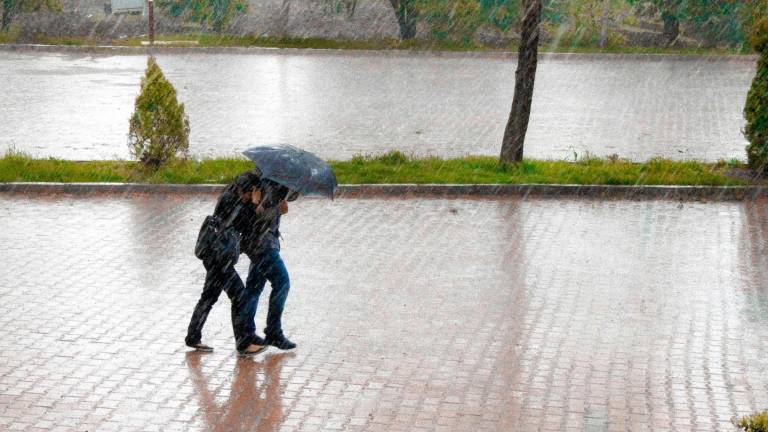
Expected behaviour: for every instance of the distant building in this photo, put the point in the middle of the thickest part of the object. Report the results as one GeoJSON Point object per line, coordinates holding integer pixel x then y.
{"type": "Point", "coordinates": [136, 7]}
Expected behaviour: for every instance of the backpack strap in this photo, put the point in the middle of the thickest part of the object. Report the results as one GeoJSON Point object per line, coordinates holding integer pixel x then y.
{"type": "Point", "coordinates": [234, 214]}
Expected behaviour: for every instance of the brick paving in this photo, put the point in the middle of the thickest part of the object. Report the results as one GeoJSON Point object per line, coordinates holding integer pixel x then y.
{"type": "Point", "coordinates": [410, 315]}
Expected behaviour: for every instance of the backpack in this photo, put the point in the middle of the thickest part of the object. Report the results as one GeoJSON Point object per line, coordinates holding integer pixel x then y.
{"type": "Point", "coordinates": [218, 241]}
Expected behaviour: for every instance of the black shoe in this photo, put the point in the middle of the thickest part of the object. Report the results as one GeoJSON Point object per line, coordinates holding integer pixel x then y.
{"type": "Point", "coordinates": [253, 349]}
{"type": "Point", "coordinates": [198, 346]}
{"type": "Point", "coordinates": [280, 342]}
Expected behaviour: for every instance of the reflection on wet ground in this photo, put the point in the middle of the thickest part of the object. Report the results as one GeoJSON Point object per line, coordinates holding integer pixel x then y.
{"type": "Point", "coordinates": [77, 106]}
{"type": "Point", "coordinates": [255, 400]}
{"type": "Point", "coordinates": [409, 314]}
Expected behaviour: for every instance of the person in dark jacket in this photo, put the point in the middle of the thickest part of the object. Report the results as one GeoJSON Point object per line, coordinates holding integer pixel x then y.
{"type": "Point", "coordinates": [223, 277]}
{"type": "Point", "coordinates": [262, 245]}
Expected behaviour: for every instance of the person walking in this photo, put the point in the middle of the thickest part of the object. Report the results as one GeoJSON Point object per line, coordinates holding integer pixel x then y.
{"type": "Point", "coordinates": [262, 245]}
{"type": "Point", "coordinates": [237, 197]}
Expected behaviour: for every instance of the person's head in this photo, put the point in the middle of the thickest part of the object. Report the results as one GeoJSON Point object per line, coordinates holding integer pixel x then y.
{"type": "Point", "coordinates": [244, 184]}
{"type": "Point", "coordinates": [273, 192]}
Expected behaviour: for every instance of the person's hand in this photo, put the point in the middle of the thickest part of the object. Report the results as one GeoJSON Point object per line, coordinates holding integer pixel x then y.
{"type": "Point", "coordinates": [256, 199]}
{"type": "Point", "coordinates": [256, 195]}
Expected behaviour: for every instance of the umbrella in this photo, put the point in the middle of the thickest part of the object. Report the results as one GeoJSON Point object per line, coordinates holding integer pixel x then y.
{"type": "Point", "coordinates": [294, 168]}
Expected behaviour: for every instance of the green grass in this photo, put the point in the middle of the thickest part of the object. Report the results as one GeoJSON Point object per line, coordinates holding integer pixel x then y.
{"type": "Point", "coordinates": [8, 36]}
{"type": "Point", "coordinates": [754, 423]}
{"type": "Point", "coordinates": [395, 167]}
{"type": "Point", "coordinates": [217, 40]}
{"type": "Point", "coordinates": [50, 40]}
{"type": "Point", "coordinates": [624, 49]}
{"type": "Point", "coordinates": [392, 167]}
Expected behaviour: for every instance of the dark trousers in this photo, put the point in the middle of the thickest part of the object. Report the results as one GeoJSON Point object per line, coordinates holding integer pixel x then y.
{"type": "Point", "coordinates": [268, 266]}
{"type": "Point", "coordinates": [217, 279]}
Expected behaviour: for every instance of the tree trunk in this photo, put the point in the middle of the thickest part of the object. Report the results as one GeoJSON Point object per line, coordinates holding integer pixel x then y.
{"type": "Point", "coordinates": [285, 15]}
{"type": "Point", "coordinates": [671, 30]}
{"type": "Point", "coordinates": [406, 18]}
{"type": "Point", "coordinates": [604, 22]}
{"type": "Point", "coordinates": [517, 125]}
{"type": "Point", "coordinates": [151, 21]}
{"type": "Point", "coordinates": [669, 15]}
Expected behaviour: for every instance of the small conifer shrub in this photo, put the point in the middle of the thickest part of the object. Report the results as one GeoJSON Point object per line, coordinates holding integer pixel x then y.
{"type": "Point", "coordinates": [159, 127]}
{"type": "Point", "coordinates": [754, 423]}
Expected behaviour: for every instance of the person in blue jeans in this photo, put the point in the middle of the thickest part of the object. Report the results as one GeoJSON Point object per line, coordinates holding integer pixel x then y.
{"type": "Point", "coordinates": [262, 245]}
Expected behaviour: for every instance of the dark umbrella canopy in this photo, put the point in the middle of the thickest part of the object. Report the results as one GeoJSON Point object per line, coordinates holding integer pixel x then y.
{"type": "Point", "coordinates": [294, 168]}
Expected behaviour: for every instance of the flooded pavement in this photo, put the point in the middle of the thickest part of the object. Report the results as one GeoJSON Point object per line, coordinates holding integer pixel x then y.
{"type": "Point", "coordinates": [77, 106]}
{"type": "Point", "coordinates": [410, 315]}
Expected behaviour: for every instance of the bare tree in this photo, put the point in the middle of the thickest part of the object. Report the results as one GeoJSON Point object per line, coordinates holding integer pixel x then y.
{"type": "Point", "coordinates": [517, 125]}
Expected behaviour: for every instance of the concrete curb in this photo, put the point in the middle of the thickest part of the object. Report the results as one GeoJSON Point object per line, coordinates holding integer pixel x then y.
{"type": "Point", "coordinates": [405, 191]}
{"type": "Point", "coordinates": [143, 50]}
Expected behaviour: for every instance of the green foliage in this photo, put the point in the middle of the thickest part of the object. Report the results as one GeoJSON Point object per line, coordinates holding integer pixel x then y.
{"type": "Point", "coordinates": [159, 127]}
{"type": "Point", "coordinates": [213, 14]}
{"type": "Point", "coordinates": [451, 19]}
{"type": "Point", "coordinates": [715, 21]}
{"type": "Point", "coordinates": [13, 7]}
{"type": "Point", "coordinates": [393, 167]}
{"type": "Point", "coordinates": [579, 22]}
{"type": "Point", "coordinates": [503, 14]}
{"type": "Point", "coordinates": [17, 166]}
{"type": "Point", "coordinates": [457, 20]}
{"type": "Point", "coordinates": [9, 36]}
{"type": "Point", "coordinates": [392, 157]}
{"type": "Point", "coordinates": [756, 114]}
{"type": "Point", "coordinates": [225, 40]}
{"type": "Point", "coordinates": [754, 423]}
{"type": "Point", "coordinates": [757, 31]}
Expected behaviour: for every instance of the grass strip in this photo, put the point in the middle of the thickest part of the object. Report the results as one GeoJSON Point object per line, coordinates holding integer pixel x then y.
{"type": "Point", "coordinates": [225, 40]}
{"type": "Point", "coordinates": [392, 167]}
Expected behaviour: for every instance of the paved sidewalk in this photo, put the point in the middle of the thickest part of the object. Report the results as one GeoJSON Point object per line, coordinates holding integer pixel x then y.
{"type": "Point", "coordinates": [410, 315]}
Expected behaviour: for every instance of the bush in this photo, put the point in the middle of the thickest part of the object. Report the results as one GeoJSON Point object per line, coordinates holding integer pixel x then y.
{"type": "Point", "coordinates": [159, 127]}
{"type": "Point", "coordinates": [210, 14]}
{"type": "Point", "coordinates": [756, 114]}
{"type": "Point", "coordinates": [754, 423]}
{"type": "Point", "coordinates": [454, 20]}
{"type": "Point", "coordinates": [758, 34]}
{"type": "Point", "coordinates": [572, 23]}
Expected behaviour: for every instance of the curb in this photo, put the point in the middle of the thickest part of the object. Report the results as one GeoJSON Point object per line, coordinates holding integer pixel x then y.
{"type": "Point", "coordinates": [405, 191]}
{"type": "Point", "coordinates": [144, 50]}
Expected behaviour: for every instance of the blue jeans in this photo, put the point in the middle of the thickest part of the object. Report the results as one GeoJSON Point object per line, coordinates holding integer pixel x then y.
{"type": "Point", "coordinates": [268, 266]}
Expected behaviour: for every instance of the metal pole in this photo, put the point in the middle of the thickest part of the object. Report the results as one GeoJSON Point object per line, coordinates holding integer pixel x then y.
{"type": "Point", "coordinates": [151, 22]}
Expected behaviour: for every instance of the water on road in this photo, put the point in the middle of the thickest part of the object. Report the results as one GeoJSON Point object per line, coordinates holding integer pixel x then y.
{"type": "Point", "coordinates": [76, 106]}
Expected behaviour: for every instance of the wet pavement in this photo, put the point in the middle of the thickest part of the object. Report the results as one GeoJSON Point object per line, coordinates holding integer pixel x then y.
{"type": "Point", "coordinates": [410, 315]}
{"type": "Point", "coordinates": [77, 106]}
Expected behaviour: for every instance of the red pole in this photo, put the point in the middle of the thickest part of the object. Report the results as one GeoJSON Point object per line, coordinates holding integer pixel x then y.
{"type": "Point", "coordinates": [151, 22]}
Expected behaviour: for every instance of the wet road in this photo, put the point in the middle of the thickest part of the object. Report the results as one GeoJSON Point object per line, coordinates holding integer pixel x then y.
{"type": "Point", "coordinates": [410, 315]}
{"type": "Point", "coordinates": [77, 106]}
